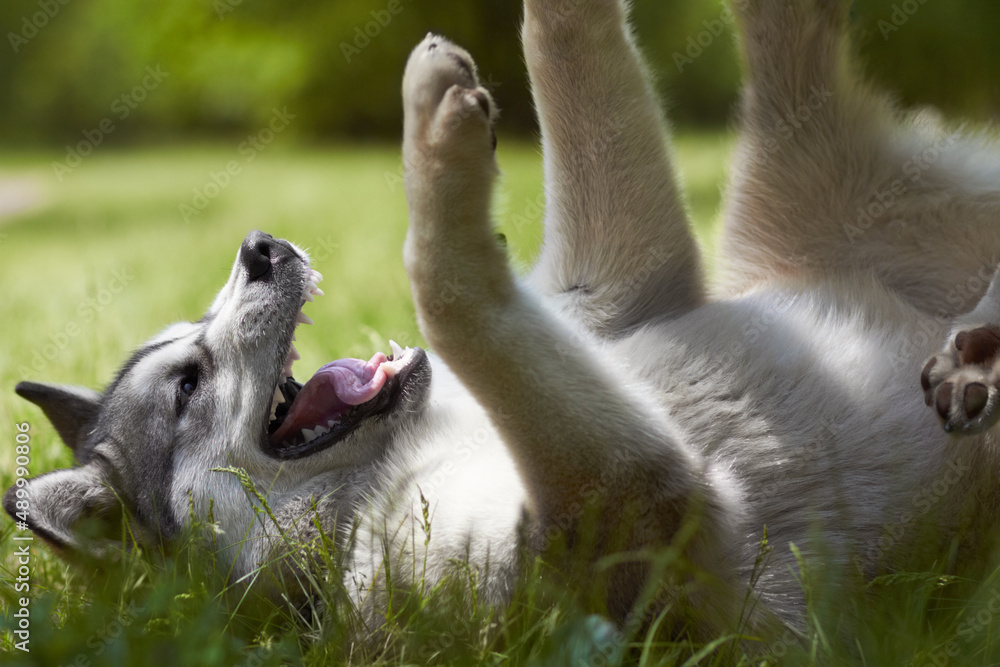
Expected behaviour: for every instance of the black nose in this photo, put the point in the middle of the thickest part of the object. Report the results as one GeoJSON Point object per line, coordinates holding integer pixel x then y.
{"type": "Point", "coordinates": [259, 252]}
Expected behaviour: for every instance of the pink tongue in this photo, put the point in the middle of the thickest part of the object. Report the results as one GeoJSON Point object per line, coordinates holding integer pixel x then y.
{"type": "Point", "coordinates": [331, 391]}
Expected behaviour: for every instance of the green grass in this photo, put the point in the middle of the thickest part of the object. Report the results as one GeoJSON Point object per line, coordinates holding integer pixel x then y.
{"type": "Point", "coordinates": [118, 214]}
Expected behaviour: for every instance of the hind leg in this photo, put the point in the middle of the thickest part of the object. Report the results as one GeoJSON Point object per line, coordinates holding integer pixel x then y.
{"type": "Point", "coordinates": [617, 248]}
{"type": "Point", "coordinates": [962, 383]}
{"type": "Point", "coordinates": [829, 179]}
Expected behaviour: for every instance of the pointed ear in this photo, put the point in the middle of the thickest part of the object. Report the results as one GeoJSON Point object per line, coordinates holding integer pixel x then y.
{"type": "Point", "coordinates": [70, 409]}
{"type": "Point", "coordinates": [74, 510]}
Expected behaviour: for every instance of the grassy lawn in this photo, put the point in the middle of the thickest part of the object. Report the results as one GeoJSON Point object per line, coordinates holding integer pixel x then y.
{"type": "Point", "coordinates": [109, 255]}
{"type": "Point", "coordinates": [119, 248]}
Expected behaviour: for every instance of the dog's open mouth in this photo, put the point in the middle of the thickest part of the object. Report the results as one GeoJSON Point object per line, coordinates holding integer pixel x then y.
{"type": "Point", "coordinates": [306, 419]}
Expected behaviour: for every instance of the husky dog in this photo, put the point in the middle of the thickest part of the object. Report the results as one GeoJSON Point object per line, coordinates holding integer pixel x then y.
{"type": "Point", "coordinates": [604, 403]}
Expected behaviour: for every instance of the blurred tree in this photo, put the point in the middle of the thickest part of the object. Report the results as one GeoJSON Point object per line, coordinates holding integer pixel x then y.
{"type": "Point", "coordinates": [226, 64]}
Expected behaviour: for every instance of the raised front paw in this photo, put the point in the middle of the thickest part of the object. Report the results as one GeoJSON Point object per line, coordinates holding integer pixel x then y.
{"type": "Point", "coordinates": [963, 382]}
{"type": "Point", "coordinates": [444, 104]}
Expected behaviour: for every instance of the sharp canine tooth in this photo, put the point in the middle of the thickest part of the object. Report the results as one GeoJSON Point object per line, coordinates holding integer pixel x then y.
{"type": "Point", "coordinates": [276, 399]}
{"type": "Point", "coordinates": [308, 434]}
{"type": "Point", "coordinates": [293, 354]}
{"type": "Point", "coordinates": [321, 430]}
{"type": "Point", "coordinates": [317, 291]}
{"type": "Point", "coordinates": [308, 296]}
{"type": "Point", "coordinates": [397, 351]}
{"type": "Point", "coordinates": [303, 319]}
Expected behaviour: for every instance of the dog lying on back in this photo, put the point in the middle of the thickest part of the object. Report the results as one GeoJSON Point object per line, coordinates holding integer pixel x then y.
{"type": "Point", "coordinates": [603, 403]}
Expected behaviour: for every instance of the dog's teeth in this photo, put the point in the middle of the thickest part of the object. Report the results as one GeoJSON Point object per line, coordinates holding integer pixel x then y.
{"type": "Point", "coordinates": [303, 319]}
{"type": "Point", "coordinates": [293, 354]}
{"type": "Point", "coordinates": [317, 291]}
{"type": "Point", "coordinates": [308, 434]}
{"type": "Point", "coordinates": [321, 430]}
{"type": "Point", "coordinates": [276, 399]}
{"type": "Point", "coordinates": [316, 275]}
{"type": "Point", "coordinates": [308, 296]}
{"type": "Point", "coordinates": [332, 423]}
{"type": "Point", "coordinates": [397, 351]}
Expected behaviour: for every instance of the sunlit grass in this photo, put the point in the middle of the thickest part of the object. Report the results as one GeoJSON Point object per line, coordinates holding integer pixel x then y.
{"type": "Point", "coordinates": [110, 255]}
{"type": "Point", "coordinates": [108, 259]}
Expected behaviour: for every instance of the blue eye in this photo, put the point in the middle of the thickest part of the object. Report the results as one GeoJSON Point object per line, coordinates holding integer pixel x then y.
{"type": "Point", "coordinates": [186, 387]}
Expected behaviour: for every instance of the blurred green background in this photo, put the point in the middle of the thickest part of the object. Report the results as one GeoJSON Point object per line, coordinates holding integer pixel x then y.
{"type": "Point", "coordinates": [140, 141]}
{"type": "Point", "coordinates": [336, 64]}
{"type": "Point", "coordinates": [145, 139]}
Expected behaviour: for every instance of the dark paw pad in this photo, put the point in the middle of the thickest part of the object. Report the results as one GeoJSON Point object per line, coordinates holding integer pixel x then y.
{"type": "Point", "coordinates": [942, 401]}
{"type": "Point", "coordinates": [976, 398]}
{"type": "Point", "coordinates": [925, 376]}
{"type": "Point", "coordinates": [978, 346]}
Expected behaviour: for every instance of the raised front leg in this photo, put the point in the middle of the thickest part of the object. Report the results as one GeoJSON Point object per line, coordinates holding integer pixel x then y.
{"type": "Point", "coordinates": [579, 439]}
{"type": "Point", "coordinates": [617, 248]}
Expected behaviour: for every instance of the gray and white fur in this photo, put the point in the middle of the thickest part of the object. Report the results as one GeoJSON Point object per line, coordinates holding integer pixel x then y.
{"type": "Point", "coordinates": [609, 389]}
